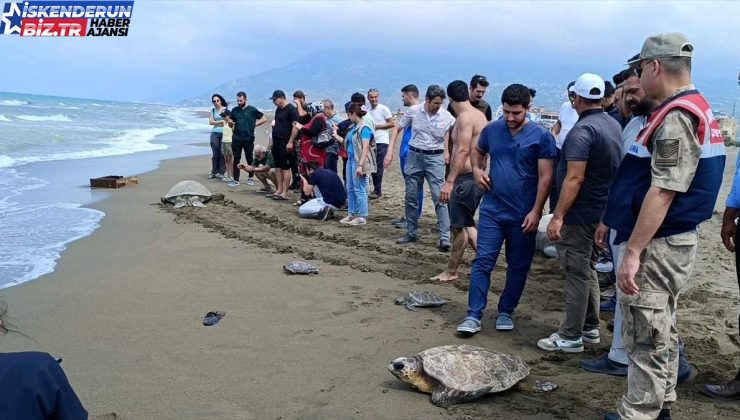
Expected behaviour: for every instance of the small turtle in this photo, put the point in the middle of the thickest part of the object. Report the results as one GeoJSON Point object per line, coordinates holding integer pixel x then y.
{"type": "Point", "coordinates": [420, 299]}
{"type": "Point", "coordinates": [459, 373]}
{"type": "Point", "coordinates": [300, 267]}
{"type": "Point", "coordinates": [187, 193]}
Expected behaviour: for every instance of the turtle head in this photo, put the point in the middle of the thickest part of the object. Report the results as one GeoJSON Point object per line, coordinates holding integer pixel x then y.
{"type": "Point", "coordinates": [409, 370]}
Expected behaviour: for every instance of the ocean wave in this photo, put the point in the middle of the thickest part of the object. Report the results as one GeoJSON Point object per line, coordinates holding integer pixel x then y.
{"type": "Point", "coordinates": [3, 118]}
{"type": "Point", "coordinates": [185, 119]}
{"type": "Point", "coordinates": [13, 102]}
{"type": "Point", "coordinates": [129, 142]}
{"type": "Point", "coordinates": [55, 118]}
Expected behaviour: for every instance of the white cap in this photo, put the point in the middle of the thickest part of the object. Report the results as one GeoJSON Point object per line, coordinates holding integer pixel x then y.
{"type": "Point", "coordinates": [589, 86]}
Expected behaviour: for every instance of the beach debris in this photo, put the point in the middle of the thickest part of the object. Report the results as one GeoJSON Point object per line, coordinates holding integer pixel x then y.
{"type": "Point", "coordinates": [212, 318]}
{"type": "Point", "coordinates": [544, 386]}
{"type": "Point", "coordinates": [459, 373]}
{"type": "Point", "coordinates": [420, 299]}
{"type": "Point", "coordinates": [187, 193]}
{"type": "Point", "coordinates": [113, 181]}
{"type": "Point", "coordinates": [300, 267]}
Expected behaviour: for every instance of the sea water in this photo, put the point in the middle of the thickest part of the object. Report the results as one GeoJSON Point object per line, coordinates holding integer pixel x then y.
{"type": "Point", "coordinates": [51, 146]}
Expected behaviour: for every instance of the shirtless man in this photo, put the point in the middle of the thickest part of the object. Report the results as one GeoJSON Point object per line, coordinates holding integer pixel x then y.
{"type": "Point", "coordinates": [460, 189]}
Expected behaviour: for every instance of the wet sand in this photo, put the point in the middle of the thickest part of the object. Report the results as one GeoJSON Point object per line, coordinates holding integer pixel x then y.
{"type": "Point", "coordinates": [124, 310]}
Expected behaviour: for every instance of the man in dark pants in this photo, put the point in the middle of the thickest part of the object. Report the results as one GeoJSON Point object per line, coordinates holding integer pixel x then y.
{"type": "Point", "coordinates": [384, 123]}
{"type": "Point", "coordinates": [730, 237]}
{"type": "Point", "coordinates": [247, 118]}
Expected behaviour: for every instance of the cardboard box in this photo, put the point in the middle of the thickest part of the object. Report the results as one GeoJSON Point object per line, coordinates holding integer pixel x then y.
{"type": "Point", "coordinates": [113, 181]}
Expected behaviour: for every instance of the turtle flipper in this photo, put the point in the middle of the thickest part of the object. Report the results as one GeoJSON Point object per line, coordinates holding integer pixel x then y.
{"type": "Point", "coordinates": [445, 397]}
{"type": "Point", "coordinates": [180, 202]}
{"type": "Point", "coordinates": [411, 307]}
{"type": "Point", "coordinates": [195, 201]}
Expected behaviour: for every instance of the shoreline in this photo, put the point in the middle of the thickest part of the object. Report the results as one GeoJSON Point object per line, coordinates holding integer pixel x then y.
{"type": "Point", "coordinates": [124, 305]}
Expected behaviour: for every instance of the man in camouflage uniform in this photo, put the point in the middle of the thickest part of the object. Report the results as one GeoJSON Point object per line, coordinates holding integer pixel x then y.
{"type": "Point", "coordinates": [666, 185]}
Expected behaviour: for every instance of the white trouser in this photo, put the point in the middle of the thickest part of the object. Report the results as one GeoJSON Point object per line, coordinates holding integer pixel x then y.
{"type": "Point", "coordinates": [312, 208]}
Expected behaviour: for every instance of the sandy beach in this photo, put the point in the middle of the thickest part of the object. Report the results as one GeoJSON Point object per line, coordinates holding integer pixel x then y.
{"type": "Point", "coordinates": [124, 310]}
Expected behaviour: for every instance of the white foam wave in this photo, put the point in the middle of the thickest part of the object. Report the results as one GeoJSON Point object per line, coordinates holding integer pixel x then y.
{"type": "Point", "coordinates": [13, 102]}
{"type": "Point", "coordinates": [185, 120]}
{"type": "Point", "coordinates": [130, 141]}
{"type": "Point", "coordinates": [3, 118]}
{"type": "Point", "coordinates": [56, 118]}
{"type": "Point", "coordinates": [54, 226]}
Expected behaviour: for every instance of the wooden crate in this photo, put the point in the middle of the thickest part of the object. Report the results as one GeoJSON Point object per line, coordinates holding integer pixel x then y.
{"type": "Point", "coordinates": [113, 181]}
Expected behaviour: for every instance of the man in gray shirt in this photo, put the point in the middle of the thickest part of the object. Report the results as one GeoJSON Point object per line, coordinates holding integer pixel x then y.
{"type": "Point", "coordinates": [589, 160]}
{"type": "Point", "coordinates": [428, 154]}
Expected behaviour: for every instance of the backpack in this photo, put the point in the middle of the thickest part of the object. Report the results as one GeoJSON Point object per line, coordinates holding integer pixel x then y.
{"type": "Point", "coordinates": [324, 139]}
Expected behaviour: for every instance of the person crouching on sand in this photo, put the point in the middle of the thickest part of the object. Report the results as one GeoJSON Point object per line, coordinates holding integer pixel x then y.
{"type": "Point", "coordinates": [360, 163]}
{"type": "Point", "coordinates": [226, 150]}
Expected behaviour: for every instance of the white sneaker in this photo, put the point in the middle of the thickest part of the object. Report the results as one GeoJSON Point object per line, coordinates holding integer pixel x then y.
{"type": "Point", "coordinates": [346, 220]}
{"type": "Point", "coordinates": [250, 181]}
{"type": "Point", "coordinates": [591, 336]}
{"type": "Point", "coordinates": [219, 176]}
{"type": "Point", "coordinates": [550, 251]}
{"type": "Point", "coordinates": [556, 343]}
{"type": "Point", "coordinates": [233, 184]}
{"type": "Point", "coordinates": [357, 221]}
{"type": "Point", "coordinates": [211, 176]}
{"type": "Point", "coordinates": [227, 179]}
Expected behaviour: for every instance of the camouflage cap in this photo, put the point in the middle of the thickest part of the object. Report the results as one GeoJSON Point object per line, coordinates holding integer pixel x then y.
{"type": "Point", "coordinates": [670, 44]}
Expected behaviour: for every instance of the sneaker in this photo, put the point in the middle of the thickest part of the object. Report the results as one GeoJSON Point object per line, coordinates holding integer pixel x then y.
{"type": "Point", "coordinates": [374, 196]}
{"type": "Point", "coordinates": [556, 343]}
{"type": "Point", "coordinates": [444, 246]}
{"type": "Point", "coordinates": [504, 322]}
{"type": "Point", "coordinates": [406, 239]}
{"type": "Point", "coordinates": [469, 325]}
{"type": "Point", "coordinates": [604, 265]}
{"type": "Point", "coordinates": [347, 219]}
{"type": "Point", "coordinates": [211, 176]}
{"type": "Point", "coordinates": [233, 183]}
{"type": "Point", "coordinates": [227, 179]}
{"type": "Point", "coordinates": [604, 365]}
{"type": "Point", "coordinates": [550, 251]}
{"type": "Point", "coordinates": [250, 181]}
{"type": "Point", "coordinates": [357, 221]}
{"type": "Point", "coordinates": [219, 176]}
{"type": "Point", "coordinates": [326, 213]}
{"type": "Point", "coordinates": [591, 336]}
{"type": "Point", "coordinates": [398, 221]}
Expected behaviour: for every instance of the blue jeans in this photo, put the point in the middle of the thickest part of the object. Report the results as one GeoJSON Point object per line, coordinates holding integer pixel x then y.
{"type": "Point", "coordinates": [432, 168]}
{"type": "Point", "coordinates": [218, 164]}
{"type": "Point", "coordinates": [356, 191]}
{"type": "Point", "coordinates": [520, 247]}
{"type": "Point", "coordinates": [381, 150]}
{"type": "Point", "coordinates": [402, 160]}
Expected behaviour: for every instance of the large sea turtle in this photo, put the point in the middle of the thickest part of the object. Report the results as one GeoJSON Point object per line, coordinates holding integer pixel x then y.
{"type": "Point", "coordinates": [420, 299]}
{"type": "Point", "coordinates": [459, 373]}
{"type": "Point", "coordinates": [187, 193]}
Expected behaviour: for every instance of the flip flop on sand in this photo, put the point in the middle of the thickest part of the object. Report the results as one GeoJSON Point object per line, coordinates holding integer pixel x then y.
{"type": "Point", "coordinates": [279, 198]}
{"type": "Point", "coordinates": [212, 318]}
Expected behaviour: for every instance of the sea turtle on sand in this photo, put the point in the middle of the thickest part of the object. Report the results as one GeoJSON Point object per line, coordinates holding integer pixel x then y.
{"type": "Point", "coordinates": [459, 373]}
{"type": "Point", "coordinates": [414, 300]}
{"type": "Point", "coordinates": [300, 267]}
{"type": "Point", "coordinates": [187, 193]}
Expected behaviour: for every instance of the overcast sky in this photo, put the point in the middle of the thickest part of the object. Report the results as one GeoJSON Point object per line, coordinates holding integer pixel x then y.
{"type": "Point", "coordinates": [182, 48]}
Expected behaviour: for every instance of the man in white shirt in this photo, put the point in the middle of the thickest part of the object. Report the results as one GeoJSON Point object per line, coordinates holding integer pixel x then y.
{"type": "Point", "coordinates": [384, 122]}
{"type": "Point", "coordinates": [427, 157]}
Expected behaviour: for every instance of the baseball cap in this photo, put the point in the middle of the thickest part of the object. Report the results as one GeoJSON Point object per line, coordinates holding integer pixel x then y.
{"type": "Point", "coordinates": [589, 86]}
{"type": "Point", "coordinates": [670, 44]}
{"type": "Point", "coordinates": [277, 94]}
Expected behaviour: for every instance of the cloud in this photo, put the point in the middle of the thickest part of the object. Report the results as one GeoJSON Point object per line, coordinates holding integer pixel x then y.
{"type": "Point", "coordinates": [190, 46]}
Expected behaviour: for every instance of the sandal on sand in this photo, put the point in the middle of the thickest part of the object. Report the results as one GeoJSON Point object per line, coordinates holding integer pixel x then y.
{"type": "Point", "coordinates": [279, 198]}
{"type": "Point", "coordinates": [212, 318]}
{"type": "Point", "coordinates": [270, 195]}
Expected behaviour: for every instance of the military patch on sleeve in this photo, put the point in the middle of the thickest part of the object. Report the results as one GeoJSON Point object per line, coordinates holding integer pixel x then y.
{"type": "Point", "coordinates": [667, 152]}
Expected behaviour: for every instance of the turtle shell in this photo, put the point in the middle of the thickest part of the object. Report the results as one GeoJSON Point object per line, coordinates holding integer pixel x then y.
{"type": "Point", "coordinates": [424, 299]}
{"type": "Point", "coordinates": [471, 369]}
{"type": "Point", "coordinates": [300, 267]}
{"type": "Point", "coordinates": [188, 188]}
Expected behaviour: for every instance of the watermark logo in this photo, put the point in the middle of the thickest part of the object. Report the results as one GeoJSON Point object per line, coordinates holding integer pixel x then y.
{"type": "Point", "coordinates": [66, 18]}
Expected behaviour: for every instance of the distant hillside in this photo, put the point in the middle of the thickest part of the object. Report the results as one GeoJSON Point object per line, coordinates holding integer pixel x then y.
{"type": "Point", "coordinates": [339, 73]}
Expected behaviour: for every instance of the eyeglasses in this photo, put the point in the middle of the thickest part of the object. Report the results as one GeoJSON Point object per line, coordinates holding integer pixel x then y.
{"type": "Point", "coordinates": [639, 69]}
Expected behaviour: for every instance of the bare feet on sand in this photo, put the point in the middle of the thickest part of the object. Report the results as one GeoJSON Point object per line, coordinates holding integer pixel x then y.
{"type": "Point", "coordinates": [445, 277]}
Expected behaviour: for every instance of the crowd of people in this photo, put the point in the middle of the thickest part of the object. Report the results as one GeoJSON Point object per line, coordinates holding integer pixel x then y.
{"type": "Point", "coordinates": [630, 169]}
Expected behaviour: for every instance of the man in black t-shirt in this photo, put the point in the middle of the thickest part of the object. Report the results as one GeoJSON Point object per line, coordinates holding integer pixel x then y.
{"type": "Point", "coordinates": [478, 87]}
{"type": "Point", "coordinates": [247, 118]}
{"type": "Point", "coordinates": [285, 115]}
{"type": "Point", "coordinates": [329, 190]}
